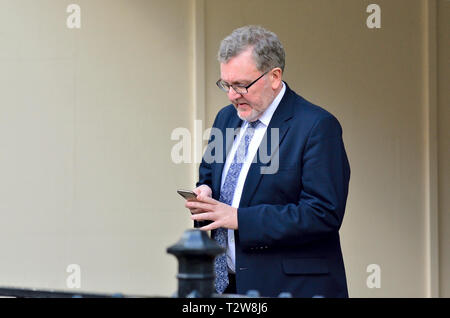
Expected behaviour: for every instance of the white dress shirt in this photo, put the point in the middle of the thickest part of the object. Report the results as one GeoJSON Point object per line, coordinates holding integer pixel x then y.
{"type": "Point", "coordinates": [252, 149]}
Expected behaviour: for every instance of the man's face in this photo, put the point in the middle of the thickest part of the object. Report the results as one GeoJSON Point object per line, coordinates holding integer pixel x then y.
{"type": "Point", "coordinates": [241, 70]}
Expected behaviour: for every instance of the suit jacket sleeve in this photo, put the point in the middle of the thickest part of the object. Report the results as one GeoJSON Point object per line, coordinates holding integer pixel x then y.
{"type": "Point", "coordinates": [320, 209]}
{"type": "Point", "coordinates": [205, 169]}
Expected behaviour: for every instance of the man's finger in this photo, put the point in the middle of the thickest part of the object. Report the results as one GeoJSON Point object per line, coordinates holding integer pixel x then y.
{"type": "Point", "coordinates": [199, 205]}
{"type": "Point", "coordinates": [209, 227]}
{"type": "Point", "coordinates": [206, 199]}
{"type": "Point", "coordinates": [196, 211]}
{"type": "Point", "coordinates": [206, 216]}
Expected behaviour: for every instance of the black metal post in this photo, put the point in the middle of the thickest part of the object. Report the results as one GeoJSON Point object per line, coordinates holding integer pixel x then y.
{"type": "Point", "coordinates": [195, 252]}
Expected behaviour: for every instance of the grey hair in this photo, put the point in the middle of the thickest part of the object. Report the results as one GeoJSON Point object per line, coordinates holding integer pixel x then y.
{"type": "Point", "coordinates": [268, 52]}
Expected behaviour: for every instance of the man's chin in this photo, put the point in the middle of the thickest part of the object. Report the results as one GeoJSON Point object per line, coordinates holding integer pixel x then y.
{"type": "Point", "coordinates": [248, 116]}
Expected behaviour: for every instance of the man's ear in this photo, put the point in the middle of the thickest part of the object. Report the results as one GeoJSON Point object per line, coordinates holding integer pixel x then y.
{"type": "Point", "coordinates": [276, 76]}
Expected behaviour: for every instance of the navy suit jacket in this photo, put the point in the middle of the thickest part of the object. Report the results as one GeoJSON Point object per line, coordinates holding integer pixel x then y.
{"type": "Point", "coordinates": [288, 238]}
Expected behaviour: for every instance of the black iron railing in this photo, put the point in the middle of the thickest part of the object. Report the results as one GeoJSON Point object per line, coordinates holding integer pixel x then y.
{"type": "Point", "coordinates": [195, 252]}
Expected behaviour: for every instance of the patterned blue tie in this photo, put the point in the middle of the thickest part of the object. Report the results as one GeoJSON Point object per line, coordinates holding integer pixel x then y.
{"type": "Point", "coordinates": [220, 235]}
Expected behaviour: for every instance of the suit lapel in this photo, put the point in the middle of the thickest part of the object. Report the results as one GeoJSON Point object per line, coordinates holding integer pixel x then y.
{"type": "Point", "coordinates": [280, 121]}
{"type": "Point", "coordinates": [234, 123]}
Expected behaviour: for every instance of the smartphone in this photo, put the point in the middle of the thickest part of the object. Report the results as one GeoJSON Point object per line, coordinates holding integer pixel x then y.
{"type": "Point", "coordinates": [187, 194]}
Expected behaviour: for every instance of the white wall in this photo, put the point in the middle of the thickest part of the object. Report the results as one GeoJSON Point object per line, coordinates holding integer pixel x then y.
{"type": "Point", "coordinates": [443, 78]}
{"type": "Point", "coordinates": [86, 175]}
{"type": "Point", "coordinates": [374, 81]}
{"type": "Point", "coordinates": [85, 122]}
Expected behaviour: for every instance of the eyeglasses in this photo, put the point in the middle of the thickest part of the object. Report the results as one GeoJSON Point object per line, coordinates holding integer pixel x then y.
{"type": "Point", "coordinates": [240, 89]}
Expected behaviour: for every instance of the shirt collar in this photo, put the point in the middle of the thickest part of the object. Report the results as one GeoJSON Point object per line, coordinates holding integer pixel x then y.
{"type": "Point", "coordinates": [268, 113]}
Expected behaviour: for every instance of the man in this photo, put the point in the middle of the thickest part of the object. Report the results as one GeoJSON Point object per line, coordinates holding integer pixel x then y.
{"type": "Point", "coordinates": [280, 229]}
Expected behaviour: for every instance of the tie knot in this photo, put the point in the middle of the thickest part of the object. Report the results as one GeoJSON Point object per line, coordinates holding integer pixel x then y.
{"type": "Point", "coordinates": [254, 124]}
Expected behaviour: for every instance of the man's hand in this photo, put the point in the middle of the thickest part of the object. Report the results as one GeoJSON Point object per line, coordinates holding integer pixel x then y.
{"type": "Point", "coordinates": [220, 213]}
{"type": "Point", "coordinates": [203, 191]}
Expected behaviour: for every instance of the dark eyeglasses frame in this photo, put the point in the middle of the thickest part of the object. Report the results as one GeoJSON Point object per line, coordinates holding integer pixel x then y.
{"type": "Point", "coordinates": [237, 89]}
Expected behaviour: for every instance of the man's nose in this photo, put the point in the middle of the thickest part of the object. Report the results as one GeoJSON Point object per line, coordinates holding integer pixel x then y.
{"type": "Point", "coordinates": [232, 94]}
